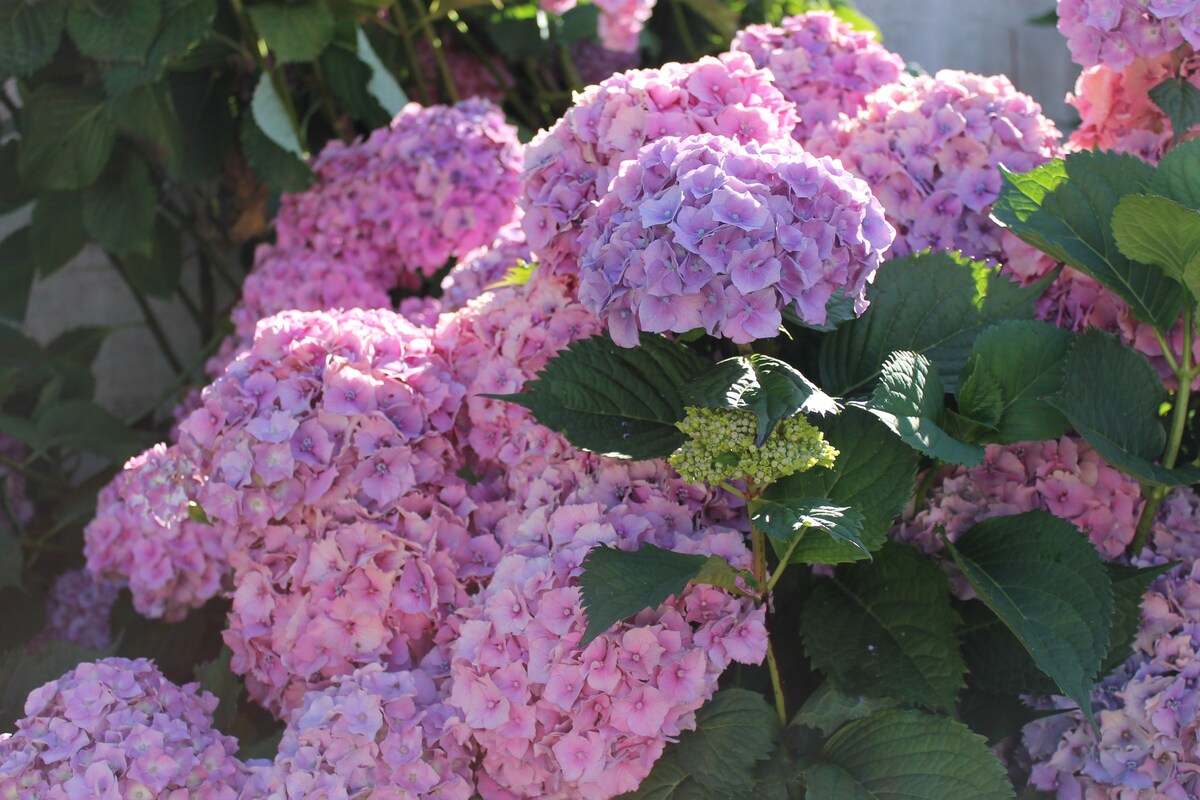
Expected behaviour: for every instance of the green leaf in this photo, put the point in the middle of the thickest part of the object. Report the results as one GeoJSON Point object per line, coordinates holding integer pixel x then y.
{"type": "Point", "coordinates": [17, 266]}
{"type": "Point", "coordinates": [114, 30]}
{"type": "Point", "coordinates": [56, 235]}
{"type": "Point", "coordinates": [66, 138]}
{"type": "Point", "coordinates": [771, 389]}
{"type": "Point", "coordinates": [735, 730]}
{"type": "Point", "coordinates": [158, 274]}
{"type": "Point", "coordinates": [898, 755]}
{"type": "Point", "coordinates": [1129, 586]}
{"type": "Point", "coordinates": [616, 584]}
{"type": "Point", "coordinates": [787, 524]}
{"type": "Point", "coordinates": [1046, 582]}
{"type": "Point", "coordinates": [996, 660]}
{"type": "Point", "coordinates": [1156, 230]}
{"type": "Point", "coordinates": [1180, 101]}
{"type": "Point", "coordinates": [886, 628]}
{"type": "Point", "coordinates": [184, 23]}
{"type": "Point", "coordinates": [29, 34]}
{"type": "Point", "coordinates": [382, 85]}
{"type": "Point", "coordinates": [272, 117]}
{"type": "Point", "coordinates": [348, 77]}
{"type": "Point", "coordinates": [875, 473]}
{"type": "Point", "coordinates": [909, 399]}
{"type": "Point", "coordinates": [294, 31]}
{"type": "Point", "coordinates": [616, 401]}
{"type": "Point", "coordinates": [80, 345]}
{"type": "Point", "coordinates": [118, 210]}
{"type": "Point", "coordinates": [1024, 361]}
{"type": "Point", "coordinates": [934, 304]}
{"type": "Point", "coordinates": [828, 709]}
{"type": "Point", "coordinates": [279, 169]}
{"type": "Point", "coordinates": [22, 671]}
{"type": "Point", "coordinates": [12, 194]}
{"type": "Point", "coordinates": [216, 677]}
{"type": "Point", "coordinates": [839, 309]}
{"type": "Point", "coordinates": [83, 425]}
{"type": "Point", "coordinates": [1111, 395]}
{"type": "Point", "coordinates": [720, 16]}
{"type": "Point", "coordinates": [147, 116]}
{"type": "Point", "coordinates": [1064, 208]}
{"type": "Point", "coordinates": [1178, 174]}
{"type": "Point", "coordinates": [998, 716]}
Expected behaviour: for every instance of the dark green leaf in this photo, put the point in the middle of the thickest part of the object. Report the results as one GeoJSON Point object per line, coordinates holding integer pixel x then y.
{"type": "Point", "coordinates": [1178, 174]}
{"type": "Point", "coordinates": [735, 730]}
{"type": "Point", "coordinates": [82, 425]}
{"type": "Point", "coordinates": [886, 628]}
{"type": "Point", "coordinates": [875, 473]}
{"type": "Point", "coordinates": [57, 233]}
{"type": "Point", "coordinates": [1111, 395]}
{"type": "Point", "coordinates": [158, 274]}
{"type": "Point", "coordinates": [216, 677]}
{"type": "Point", "coordinates": [147, 116]}
{"type": "Point", "coordinates": [617, 401]}
{"type": "Point", "coordinates": [909, 399]}
{"type": "Point", "coordinates": [1046, 582]}
{"type": "Point", "coordinates": [22, 671]}
{"type": "Point", "coordinates": [1064, 208]}
{"type": "Point", "coordinates": [29, 34]}
{"type": "Point", "coordinates": [789, 523]}
{"type": "Point", "coordinates": [12, 195]}
{"type": "Point", "coordinates": [273, 119]}
{"type": "Point", "coordinates": [17, 266]}
{"type": "Point", "coordinates": [118, 210]}
{"type": "Point", "coordinates": [1024, 361]}
{"type": "Point", "coordinates": [1157, 230]}
{"type": "Point", "coordinates": [934, 304]}
{"type": "Point", "coordinates": [771, 389]}
{"type": "Point", "coordinates": [23, 618]}
{"type": "Point", "coordinates": [1129, 586]}
{"type": "Point", "coordinates": [616, 584]}
{"type": "Point", "coordinates": [382, 85]}
{"type": "Point", "coordinates": [839, 309]}
{"type": "Point", "coordinates": [279, 169]}
{"type": "Point", "coordinates": [348, 77]}
{"type": "Point", "coordinates": [294, 31]}
{"type": "Point", "coordinates": [720, 16]}
{"type": "Point", "coordinates": [827, 709]}
{"type": "Point", "coordinates": [998, 716]}
{"type": "Point", "coordinates": [997, 662]}
{"type": "Point", "coordinates": [12, 559]}
{"type": "Point", "coordinates": [78, 345]}
{"type": "Point", "coordinates": [907, 754]}
{"type": "Point", "coordinates": [114, 30]}
{"type": "Point", "coordinates": [1180, 101]}
{"type": "Point", "coordinates": [66, 138]}
{"type": "Point", "coordinates": [184, 22]}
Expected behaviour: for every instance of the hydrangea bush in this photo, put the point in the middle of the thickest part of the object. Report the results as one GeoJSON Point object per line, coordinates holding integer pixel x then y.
{"type": "Point", "coordinates": [668, 455]}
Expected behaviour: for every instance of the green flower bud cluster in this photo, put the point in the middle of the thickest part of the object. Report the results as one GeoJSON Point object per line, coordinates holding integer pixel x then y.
{"type": "Point", "coordinates": [721, 447]}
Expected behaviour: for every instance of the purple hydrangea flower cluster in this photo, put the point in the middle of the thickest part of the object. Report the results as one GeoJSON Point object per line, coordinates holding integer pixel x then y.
{"type": "Point", "coordinates": [704, 232]}
{"type": "Point", "coordinates": [571, 165]}
{"type": "Point", "coordinates": [78, 610]}
{"type": "Point", "coordinates": [1114, 32]}
{"type": "Point", "coordinates": [596, 62]}
{"type": "Point", "coordinates": [931, 150]}
{"type": "Point", "coordinates": [1063, 476]}
{"type": "Point", "coordinates": [143, 535]}
{"type": "Point", "coordinates": [554, 719]}
{"type": "Point", "coordinates": [114, 730]}
{"type": "Point", "coordinates": [1148, 745]}
{"type": "Point", "coordinates": [435, 184]}
{"type": "Point", "coordinates": [823, 65]}
{"type": "Point", "coordinates": [371, 734]}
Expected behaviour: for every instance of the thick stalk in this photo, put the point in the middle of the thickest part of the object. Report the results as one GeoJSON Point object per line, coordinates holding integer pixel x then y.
{"type": "Point", "coordinates": [758, 543]}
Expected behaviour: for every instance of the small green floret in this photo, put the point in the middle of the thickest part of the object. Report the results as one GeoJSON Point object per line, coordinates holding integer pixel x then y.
{"type": "Point", "coordinates": [721, 447]}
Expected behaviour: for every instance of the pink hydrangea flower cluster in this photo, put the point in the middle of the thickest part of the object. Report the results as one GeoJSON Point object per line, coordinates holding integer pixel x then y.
{"type": "Point", "coordinates": [595, 62]}
{"type": "Point", "coordinates": [118, 729]}
{"type": "Point", "coordinates": [1117, 113]}
{"type": "Point", "coordinates": [79, 610]}
{"type": "Point", "coordinates": [435, 184]}
{"type": "Point", "coordinates": [823, 65]}
{"type": "Point", "coordinates": [471, 76]}
{"type": "Point", "coordinates": [341, 412]}
{"type": "Point", "coordinates": [931, 150]}
{"type": "Point", "coordinates": [371, 734]}
{"type": "Point", "coordinates": [554, 719]}
{"type": "Point", "coordinates": [1114, 32]}
{"type": "Point", "coordinates": [1064, 476]}
{"type": "Point", "coordinates": [143, 535]}
{"type": "Point", "coordinates": [704, 232]}
{"type": "Point", "coordinates": [314, 601]}
{"type": "Point", "coordinates": [570, 166]}
{"type": "Point", "coordinates": [621, 23]}
{"type": "Point", "coordinates": [478, 270]}
{"type": "Point", "coordinates": [1147, 710]}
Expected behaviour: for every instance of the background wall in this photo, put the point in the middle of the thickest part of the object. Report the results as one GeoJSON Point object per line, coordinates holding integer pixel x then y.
{"type": "Point", "coordinates": [986, 36]}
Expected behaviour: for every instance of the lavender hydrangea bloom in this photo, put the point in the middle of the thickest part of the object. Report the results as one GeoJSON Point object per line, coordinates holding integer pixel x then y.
{"type": "Point", "coordinates": [1114, 32]}
{"type": "Point", "coordinates": [78, 610]}
{"type": "Point", "coordinates": [704, 232]}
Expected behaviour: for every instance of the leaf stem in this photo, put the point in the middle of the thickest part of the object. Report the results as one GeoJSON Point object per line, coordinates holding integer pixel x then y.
{"type": "Point", "coordinates": [759, 545]}
{"type": "Point", "coordinates": [784, 561]}
{"type": "Point", "coordinates": [439, 57]}
{"type": "Point", "coordinates": [410, 54]}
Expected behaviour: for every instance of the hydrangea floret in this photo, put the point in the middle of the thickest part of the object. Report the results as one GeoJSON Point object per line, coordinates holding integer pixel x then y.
{"type": "Point", "coordinates": [1114, 32]}
{"type": "Point", "coordinates": [118, 729]}
{"type": "Point", "coordinates": [704, 232]}
{"type": "Point", "coordinates": [721, 446]}
{"type": "Point", "coordinates": [79, 610]}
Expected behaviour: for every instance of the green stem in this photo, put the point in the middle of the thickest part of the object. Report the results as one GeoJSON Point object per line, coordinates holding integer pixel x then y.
{"type": "Point", "coordinates": [503, 80]}
{"type": "Point", "coordinates": [776, 685]}
{"type": "Point", "coordinates": [435, 43]}
{"type": "Point", "coordinates": [410, 54]}
{"type": "Point", "coordinates": [931, 475]}
{"type": "Point", "coordinates": [759, 545]}
{"type": "Point", "coordinates": [784, 561]}
{"type": "Point", "coordinates": [259, 51]}
{"type": "Point", "coordinates": [156, 328]}
{"type": "Point", "coordinates": [685, 33]}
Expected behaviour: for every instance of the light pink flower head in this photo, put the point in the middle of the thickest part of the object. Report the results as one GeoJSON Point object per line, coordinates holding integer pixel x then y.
{"type": "Point", "coordinates": [931, 150]}
{"type": "Point", "coordinates": [703, 232]}
{"type": "Point", "coordinates": [570, 166]}
{"type": "Point", "coordinates": [823, 65]}
{"type": "Point", "coordinates": [369, 734]}
{"type": "Point", "coordinates": [118, 729]}
{"type": "Point", "coordinates": [143, 535]}
{"type": "Point", "coordinates": [1114, 32]}
{"type": "Point", "coordinates": [621, 23]}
